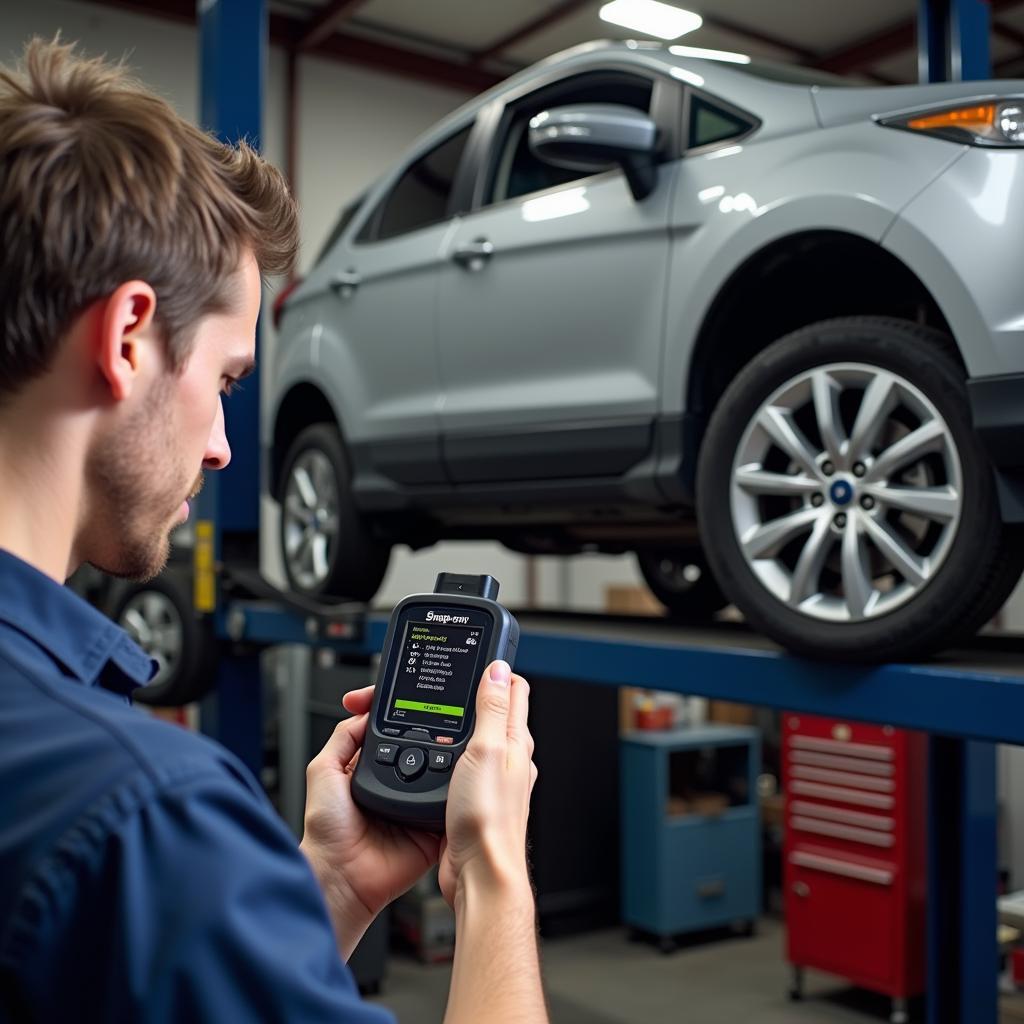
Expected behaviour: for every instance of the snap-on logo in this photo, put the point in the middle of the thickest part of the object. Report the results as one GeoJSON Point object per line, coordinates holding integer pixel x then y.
{"type": "Point", "coordinates": [435, 617]}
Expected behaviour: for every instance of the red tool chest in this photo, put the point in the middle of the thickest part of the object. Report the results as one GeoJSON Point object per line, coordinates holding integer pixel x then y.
{"type": "Point", "coordinates": [855, 853]}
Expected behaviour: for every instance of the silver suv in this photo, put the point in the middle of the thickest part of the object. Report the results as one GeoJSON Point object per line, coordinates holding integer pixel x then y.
{"type": "Point", "coordinates": [764, 329]}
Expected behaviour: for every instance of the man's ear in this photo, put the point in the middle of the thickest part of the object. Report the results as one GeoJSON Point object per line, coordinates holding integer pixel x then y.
{"type": "Point", "coordinates": [125, 335]}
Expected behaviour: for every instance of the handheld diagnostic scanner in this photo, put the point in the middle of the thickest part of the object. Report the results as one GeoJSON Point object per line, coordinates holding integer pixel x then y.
{"type": "Point", "coordinates": [424, 702]}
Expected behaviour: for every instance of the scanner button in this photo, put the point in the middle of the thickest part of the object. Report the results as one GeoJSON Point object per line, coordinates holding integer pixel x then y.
{"type": "Point", "coordinates": [411, 762]}
{"type": "Point", "coordinates": [386, 753]}
{"type": "Point", "coordinates": [440, 760]}
{"type": "Point", "coordinates": [417, 734]}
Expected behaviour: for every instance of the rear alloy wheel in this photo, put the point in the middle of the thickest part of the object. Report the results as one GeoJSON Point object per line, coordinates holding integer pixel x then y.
{"type": "Point", "coordinates": [681, 580]}
{"type": "Point", "coordinates": [847, 506]}
{"type": "Point", "coordinates": [327, 548]}
{"type": "Point", "coordinates": [158, 616]}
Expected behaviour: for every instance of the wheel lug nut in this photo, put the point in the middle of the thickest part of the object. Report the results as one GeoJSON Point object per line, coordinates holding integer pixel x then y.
{"type": "Point", "coordinates": [840, 520]}
{"type": "Point", "coordinates": [817, 500]}
{"type": "Point", "coordinates": [827, 468]}
{"type": "Point", "coordinates": [859, 469]}
{"type": "Point", "coordinates": [867, 502]}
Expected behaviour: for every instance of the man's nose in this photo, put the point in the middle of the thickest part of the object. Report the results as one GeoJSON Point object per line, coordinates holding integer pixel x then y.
{"type": "Point", "coordinates": [218, 451]}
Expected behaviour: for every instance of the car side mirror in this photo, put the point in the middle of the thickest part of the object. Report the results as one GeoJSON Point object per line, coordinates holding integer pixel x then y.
{"type": "Point", "coordinates": [595, 136]}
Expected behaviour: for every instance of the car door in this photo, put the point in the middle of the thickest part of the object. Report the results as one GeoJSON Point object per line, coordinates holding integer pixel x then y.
{"type": "Point", "coordinates": [379, 346]}
{"type": "Point", "coordinates": [551, 301]}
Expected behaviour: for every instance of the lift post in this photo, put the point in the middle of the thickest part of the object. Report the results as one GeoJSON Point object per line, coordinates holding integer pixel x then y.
{"type": "Point", "coordinates": [233, 57]}
{"type": "Point", "coordinates": [953, 45]}
{"type": "Point", "coordinates": [953, 40]}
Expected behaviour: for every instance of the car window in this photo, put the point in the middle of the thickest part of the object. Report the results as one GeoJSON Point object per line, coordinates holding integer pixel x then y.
{"type": "Point", "coordinates": [420, 196]}
{"type": "Point", "coordinates": [711, 123]}
{"type": "Point", "coordinates": [516, 171]}
{"type": "Point", "coordinates": [344, 219]}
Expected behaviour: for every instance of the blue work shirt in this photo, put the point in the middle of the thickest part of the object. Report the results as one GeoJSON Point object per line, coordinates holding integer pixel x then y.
{"type": "Point", "coordinates": [144, 875]}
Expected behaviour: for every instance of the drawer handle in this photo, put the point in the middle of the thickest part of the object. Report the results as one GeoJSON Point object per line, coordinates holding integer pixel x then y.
{"type": "Point", "coordinates": [848, 796]}
{"type": "Point", "coordinates": [834, 866]}
{"type": "Point", "coordinates": [838, 747]}
{"type": "Point", "coordinates": [843, 816]}
{"type": "Point", "coordinates": [857, 835]}
{"type": "Point", "coordinates": [710, 888]}
{"type": "Point", "coordinates": [868, 782]}
{"type": "Point", "coordinates": [843, 764]}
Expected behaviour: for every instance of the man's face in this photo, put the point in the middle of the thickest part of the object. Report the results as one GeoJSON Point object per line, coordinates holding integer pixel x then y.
{"type": "Point", "coordinates": [140, 473]}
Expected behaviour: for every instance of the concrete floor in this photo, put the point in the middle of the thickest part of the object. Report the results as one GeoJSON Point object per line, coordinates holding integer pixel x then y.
{"type": "Point", "coordinates": [602, 978]}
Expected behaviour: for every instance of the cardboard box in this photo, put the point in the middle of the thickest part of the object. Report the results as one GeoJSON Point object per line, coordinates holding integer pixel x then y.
{"type": "Point", "coordinates": [727, 713]}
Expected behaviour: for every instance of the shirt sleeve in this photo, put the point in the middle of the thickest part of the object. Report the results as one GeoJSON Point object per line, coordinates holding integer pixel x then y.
{"type": "Point", "coordinates": [198, 906]}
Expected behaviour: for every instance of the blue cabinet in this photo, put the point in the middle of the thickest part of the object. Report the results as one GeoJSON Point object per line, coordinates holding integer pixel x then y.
{"type": "Point", "coordinates": [691, 834]}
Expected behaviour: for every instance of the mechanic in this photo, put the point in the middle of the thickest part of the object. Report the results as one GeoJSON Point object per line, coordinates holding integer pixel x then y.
{"type": "Point", "coordinates": [143, 874]}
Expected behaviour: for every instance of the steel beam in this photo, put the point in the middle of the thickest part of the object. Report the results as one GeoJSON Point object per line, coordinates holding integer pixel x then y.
{"type": "Point", "coordinates": [558, 13]}
{"type": "Point", "coordinates": [327, 21]}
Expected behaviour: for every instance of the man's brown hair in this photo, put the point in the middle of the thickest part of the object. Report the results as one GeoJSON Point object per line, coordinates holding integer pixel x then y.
{"type": "Point", "coordinates": [102, 182]}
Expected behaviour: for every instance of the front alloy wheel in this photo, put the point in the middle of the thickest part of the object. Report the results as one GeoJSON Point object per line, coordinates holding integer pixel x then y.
{"type": "Point", "coordinates": [846, 523]}
{"type": "Point", "coordinates": [845, 503]}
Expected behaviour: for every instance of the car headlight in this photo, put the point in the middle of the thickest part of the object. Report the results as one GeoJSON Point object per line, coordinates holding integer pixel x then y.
{"type": "Point", "coordinates": [997, 123]}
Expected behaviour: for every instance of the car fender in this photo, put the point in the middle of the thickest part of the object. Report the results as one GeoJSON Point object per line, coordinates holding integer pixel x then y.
{"type": "Point", "coordinates": [961, 236]}
{"type": "Point", "coordinates": [734, 203]}
{"type": "Point", "coordinates": [690, 302]}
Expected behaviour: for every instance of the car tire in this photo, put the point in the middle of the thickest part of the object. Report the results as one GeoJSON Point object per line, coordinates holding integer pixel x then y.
{"type": "Point", "coordinates": [681, 579]}
{"type": "Point", "coordinates": [328, 550]}
{"type": "Point", "coordinates": [920, 557]}
{"type": "Point", "coordinates": [159, 618]}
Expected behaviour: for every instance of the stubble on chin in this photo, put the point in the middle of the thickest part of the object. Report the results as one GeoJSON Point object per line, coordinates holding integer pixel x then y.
{"type": "Point", "coordinates": [134, 497]}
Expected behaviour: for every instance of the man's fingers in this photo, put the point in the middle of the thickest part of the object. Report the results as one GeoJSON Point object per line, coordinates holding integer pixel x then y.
{"type": "Point", "coordinates": [344, 743]}
{"type": "Point", "coordinates": [492, 706]}
{"type": "Point", "coordinates": [519, 708]}
{"type": "Point", "coordinates": [358, 702]}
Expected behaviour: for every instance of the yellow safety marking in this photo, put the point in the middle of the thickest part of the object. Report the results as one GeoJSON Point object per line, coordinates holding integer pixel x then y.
{"type": "Point", "coordinates": [205, 581]}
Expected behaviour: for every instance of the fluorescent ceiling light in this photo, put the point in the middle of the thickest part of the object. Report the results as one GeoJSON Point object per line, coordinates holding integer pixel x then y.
{"type": "Point", "coordinates": [696, 51]}
{"type": "Point", "coordinates": [651, 18]}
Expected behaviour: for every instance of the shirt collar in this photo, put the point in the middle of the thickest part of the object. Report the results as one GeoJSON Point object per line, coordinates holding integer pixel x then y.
{"type": "Point", "coordinates": [83, 641]}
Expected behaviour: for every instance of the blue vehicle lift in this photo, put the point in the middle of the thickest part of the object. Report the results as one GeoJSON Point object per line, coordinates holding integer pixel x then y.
{"type": "Point", "coordinates": [967, 704]}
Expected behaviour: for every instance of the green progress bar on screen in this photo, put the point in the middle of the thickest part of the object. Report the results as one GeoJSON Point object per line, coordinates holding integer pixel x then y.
{"type": "Point", "coordinates": [434, 709]}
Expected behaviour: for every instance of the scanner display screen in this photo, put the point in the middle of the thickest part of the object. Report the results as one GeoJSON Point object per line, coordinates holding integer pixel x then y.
{"type": "Point", "coordinates": [434, 676]}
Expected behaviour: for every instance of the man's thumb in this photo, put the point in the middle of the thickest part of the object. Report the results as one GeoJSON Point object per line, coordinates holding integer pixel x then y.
{"type": "Point", "coordinates": [492, 701]}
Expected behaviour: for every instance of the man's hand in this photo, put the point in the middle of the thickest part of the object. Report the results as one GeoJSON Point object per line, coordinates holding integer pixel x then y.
{"type": "Point", "coordinates": [362, 863]}
{"type": "Point", "coordinates": [496, 975]}
{"type": "Point", "coordinates": [489, 795]}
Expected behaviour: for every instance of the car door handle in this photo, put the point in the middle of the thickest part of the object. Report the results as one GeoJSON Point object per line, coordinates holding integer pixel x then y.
{"type": "Point", "coordinates": [474, 255]}
{"type": "Point", "coordinates": [345, 283]}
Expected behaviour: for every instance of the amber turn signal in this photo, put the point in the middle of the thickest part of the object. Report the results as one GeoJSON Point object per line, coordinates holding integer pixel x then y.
{"type": "Point", "coordinates": [973, 117]}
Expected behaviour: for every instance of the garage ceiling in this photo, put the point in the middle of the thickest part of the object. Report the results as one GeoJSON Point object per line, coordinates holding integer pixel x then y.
{"type": "Point", "coordinates": [472, 44]}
